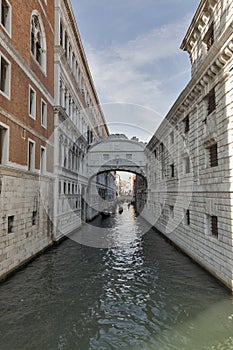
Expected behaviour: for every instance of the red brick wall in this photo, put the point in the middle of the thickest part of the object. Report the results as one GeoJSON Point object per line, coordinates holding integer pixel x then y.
{"type": "Point", "coordinates": [17, 106]}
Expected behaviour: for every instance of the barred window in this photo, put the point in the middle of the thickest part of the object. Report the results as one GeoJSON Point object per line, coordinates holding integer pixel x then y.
{"type": "Point", "coordinates": [214, 226]}
{"type": "Point", "coordinates": [172, 170]}
{"type": "Point", "coordinates": [11, 224]}
{"type": "Point", "coordinates": [211, 102]}
{"type": "Point", "coordinates": [105, 156]}
{"type": "Point", "coordinates": [186, 125]}
{"type": "Point", "coordinates": [213, 155]}
{"type": "Point", "coordinates": [187, 217]}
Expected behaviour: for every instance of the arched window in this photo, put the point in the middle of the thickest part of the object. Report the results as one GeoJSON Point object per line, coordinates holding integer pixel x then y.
{"type": "Point", "coordinates": [38, 44]}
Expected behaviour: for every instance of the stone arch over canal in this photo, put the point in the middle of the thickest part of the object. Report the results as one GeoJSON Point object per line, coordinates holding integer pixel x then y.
{"type": "Point", "coordinates": [116, 153]}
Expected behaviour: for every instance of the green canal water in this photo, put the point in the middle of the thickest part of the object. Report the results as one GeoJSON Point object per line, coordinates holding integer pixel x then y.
{"type": "Point", "coordinates": [142, 294]}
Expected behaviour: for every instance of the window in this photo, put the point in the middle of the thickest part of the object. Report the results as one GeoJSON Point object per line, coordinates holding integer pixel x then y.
{"type": "Point", "coordinates": [161, 147]}
{"type": "Point", "coordinates": [66, 45]}
{"type": "Point", "coordinates": [61, 34]}
{"type": "Point", "coordinates": [187, 217]}
{"type": "Point", "coordinates": [10, 224]}
{"type": "Point", "coordinates": [34, 217]}
{"type": "Point", "coordinates": [32, 103]}
{"type": "Point", "coordinates": [214, 226]}
{"type": "Point", "coordinates": [43, 113]}
{"type": "Point", "coordinates": [155, 153]}
{"type": "Point", "coordinates": [211, 225]}
{"type": "Point", "coordinates": [5, 13]}
{"type": "Point", "coordinates": [105, 157]}
{"type": "Point", "coordinates": [38, 45]}
{"type": "Point", "coordinates": [213, 155]}
{"type": "Point", "coordinates": [172, 170]}
{"type": "Point", "coordinates": [186, 125]}
{"type": "Point", "coordinates": [31, 155]}
{"type": "Point", "coordinates": [171, 210]}
{"type": "Point", "coordinates": [187, 165]}
{"type": "Point", "coordinates": [171, 136]}
{"type": "Point", "coordinates": [209, 37]}
{"type": "Point", "coordinates": [42, 160]}
{"type": "Point", "coordinates": [4, 139]}
{"type": "Point", "coordinates": [211, 102]}
{"type": "Point", "coordinates": [5, 76]}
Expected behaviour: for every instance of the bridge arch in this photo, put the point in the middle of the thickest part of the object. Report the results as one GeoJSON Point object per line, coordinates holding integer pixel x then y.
{"type": "Point", "coordinates": [117, 153]}
{"type": "Point", "coordinates": [113, 154]}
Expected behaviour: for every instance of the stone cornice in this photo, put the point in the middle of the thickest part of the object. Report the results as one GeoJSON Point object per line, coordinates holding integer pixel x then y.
{"type": "Point", "coordinates": [210, 69]}
{"type": "Point", "coordinates": [199, 20]}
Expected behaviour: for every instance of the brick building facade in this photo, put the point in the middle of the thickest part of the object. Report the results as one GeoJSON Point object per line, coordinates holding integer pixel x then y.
{"type": "Point", "coordinates": [26, 123]}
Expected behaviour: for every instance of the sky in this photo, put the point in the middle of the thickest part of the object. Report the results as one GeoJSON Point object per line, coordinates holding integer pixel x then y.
{"type": "Point", "coordinates": [133, 51]}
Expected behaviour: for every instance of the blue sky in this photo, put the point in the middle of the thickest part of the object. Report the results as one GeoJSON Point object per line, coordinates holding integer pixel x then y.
{"type": "Point", "coordinates": [132, 47]}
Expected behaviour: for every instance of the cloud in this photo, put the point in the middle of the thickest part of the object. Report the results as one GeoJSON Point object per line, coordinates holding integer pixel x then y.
{"type": "Point", "coordinates": [143, 71]}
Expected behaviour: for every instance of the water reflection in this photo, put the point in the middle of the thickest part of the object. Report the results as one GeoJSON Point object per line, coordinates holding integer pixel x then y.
{"type": "Point", "coordinates": [139, 294]}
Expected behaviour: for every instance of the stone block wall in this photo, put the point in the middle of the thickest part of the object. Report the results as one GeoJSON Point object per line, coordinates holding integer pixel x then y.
{"type": "Point", "coordinates": [28, 200]}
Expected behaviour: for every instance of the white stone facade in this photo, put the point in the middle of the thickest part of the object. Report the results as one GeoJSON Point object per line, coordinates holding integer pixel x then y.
{"type": "Point", "coordinates": [190, 174]}
{"type": "Point", "coordinates": [79, 121]}
{"type": "Point", "coordinates": [25, 223]}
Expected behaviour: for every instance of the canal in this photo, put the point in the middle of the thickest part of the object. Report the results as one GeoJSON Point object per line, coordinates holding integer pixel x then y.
{"type": "Point", "coordinates": [140, 294]}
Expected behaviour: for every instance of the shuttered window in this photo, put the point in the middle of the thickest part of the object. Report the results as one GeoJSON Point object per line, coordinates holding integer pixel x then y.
{"type": "Point", "coordinates": [214, 226]}
{"type": "Point", "coordinates": [213, 154]}
{"type": "Point", "coordinates": [211, 102]}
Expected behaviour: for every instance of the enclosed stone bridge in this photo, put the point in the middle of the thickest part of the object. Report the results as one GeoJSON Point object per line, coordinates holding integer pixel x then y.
{"type": "Point", "coordinates": [117, 153]}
